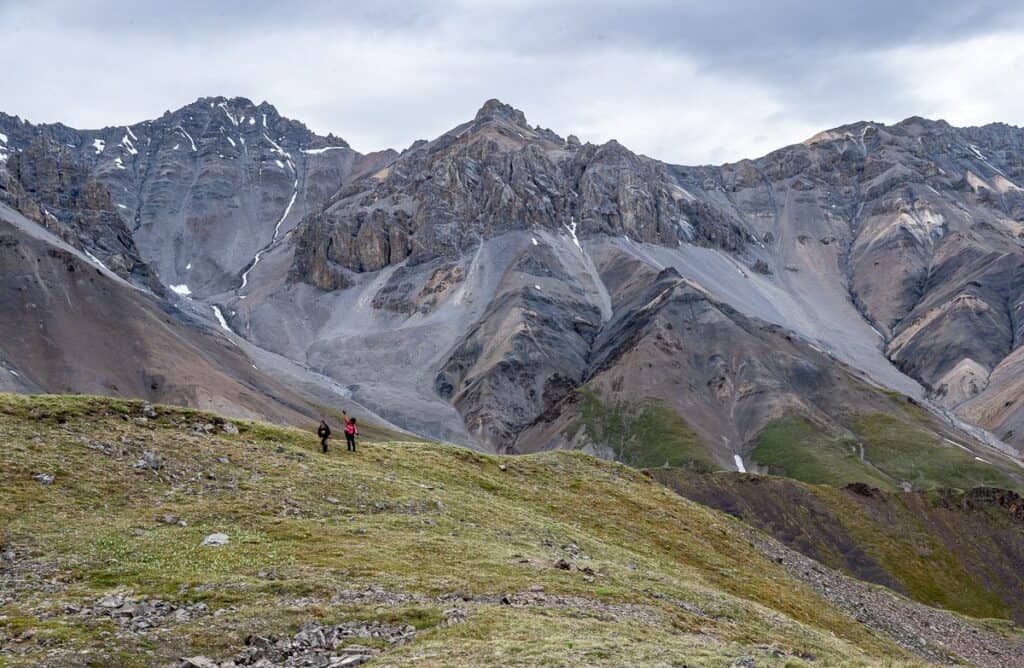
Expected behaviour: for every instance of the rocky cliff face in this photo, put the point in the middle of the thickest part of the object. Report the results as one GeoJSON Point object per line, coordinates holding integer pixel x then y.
{"type": "Point", "coordinates": [493, 175]}
{"type": "Point", "coordinates": [202, 189]}
{"type": "Point", "coordinates": [45, 183]}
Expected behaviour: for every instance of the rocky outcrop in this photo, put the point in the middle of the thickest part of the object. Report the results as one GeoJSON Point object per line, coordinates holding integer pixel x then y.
{"type": "Point", "coordinates": [52, 188]}
{"type": "Point", "coordinates": [199, 191]}
{"type": "Point", "coordinates": [493, 175]}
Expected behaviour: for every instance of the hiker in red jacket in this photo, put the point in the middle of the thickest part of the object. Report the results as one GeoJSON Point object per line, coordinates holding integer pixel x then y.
{"type": "Point", "coordinates": [351, 431]}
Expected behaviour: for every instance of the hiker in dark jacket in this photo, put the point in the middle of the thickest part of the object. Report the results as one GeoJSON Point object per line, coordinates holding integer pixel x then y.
{"type": "Point", "coordinates": [351, 431]}
{"type": "Point", "coordinates": [324, 432]}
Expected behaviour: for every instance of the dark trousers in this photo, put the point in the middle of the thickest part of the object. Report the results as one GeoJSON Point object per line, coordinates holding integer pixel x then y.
{"type": "Point", "coordinates": [351, 439]}
{"type": "Point", "coordinates": [323, 444]}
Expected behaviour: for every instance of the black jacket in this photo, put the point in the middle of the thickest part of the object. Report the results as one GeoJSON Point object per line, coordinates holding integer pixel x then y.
{"type": "Point", "coordinates": [323, 431]}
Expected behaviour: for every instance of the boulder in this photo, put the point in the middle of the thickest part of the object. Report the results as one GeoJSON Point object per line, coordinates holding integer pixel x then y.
{"type": "Point", "coordinates": [216, 540]}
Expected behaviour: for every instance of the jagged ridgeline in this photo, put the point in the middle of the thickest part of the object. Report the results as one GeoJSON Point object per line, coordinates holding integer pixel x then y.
{"type": "Point", "coordinates": [509, 289]}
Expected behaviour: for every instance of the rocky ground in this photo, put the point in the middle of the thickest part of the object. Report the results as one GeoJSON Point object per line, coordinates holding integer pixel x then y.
{"type": "Point", "coordinates": [936, 635]}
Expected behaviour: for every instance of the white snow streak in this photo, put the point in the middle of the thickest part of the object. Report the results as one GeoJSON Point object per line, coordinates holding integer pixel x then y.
{"type": "Point", "coordinates": [956, 444]}
{"type": "Point", "coordinates": [95, 259]}
{"type": "Point", "coordinates": [3, 138]}
{"type": "Point", "coordinates": [572, 232]}
{"type": "Point", "coordinates": [130, 133]}
{"type": "Point", "coordinates": [318, 151]}
{"type": "Point", "coordinates": [277, 147]}
{"type": "Point", "coordinates": [534, 240]}
{"type": "Point", "coordinates": [191, 141]}
{"type": "Point", "coordinates": [119, 164]}
{"type": "Point", "coordinates": [739, 464]}
{"type": "Point", "coordinates": [224, 108]}
{"type": "Point", "coordinates": [128, 145]}
{"type": "Point", "coordinates": [231, 140]}
{"type": "Point", "coordinates": [220, 318]}
{"type": "Point", "coordinates": [287, 210]}
{"type": "Point", "coordinates": [181, 290]}
{"type": "Point", "coordinates": [277, 230]}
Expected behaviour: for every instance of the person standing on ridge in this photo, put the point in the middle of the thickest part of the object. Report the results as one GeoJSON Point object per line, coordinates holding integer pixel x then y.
{"type": "Point", "coordinates": [324, 432]}
{"type": "Point", "coordinates": [351, 431]}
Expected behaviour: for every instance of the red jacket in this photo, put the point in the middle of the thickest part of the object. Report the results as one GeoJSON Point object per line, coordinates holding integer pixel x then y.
{"type": "Point", "coordinates": [350, 428]}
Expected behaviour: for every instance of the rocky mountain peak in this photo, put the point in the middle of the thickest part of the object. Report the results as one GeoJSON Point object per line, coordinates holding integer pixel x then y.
{"type": "Point", "coordinates": [496, 110]}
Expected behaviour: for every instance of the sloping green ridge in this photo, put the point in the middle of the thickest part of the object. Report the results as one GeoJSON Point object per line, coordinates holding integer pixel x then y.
{"type": "Point", "coordinates": [667, 581]}
{"type": "Point", "coordinates": [642, 434]}
{"type": "Point", "coordinates": [890, 451]}
{"type": "Point", "coordinates": [962, 551]}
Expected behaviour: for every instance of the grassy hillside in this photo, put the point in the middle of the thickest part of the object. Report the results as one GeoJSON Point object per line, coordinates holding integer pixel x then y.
{"type": "Point", "coordinates": [554, 559]}
{"type": "Point", "coordinates": [642, 433]}
{"type": "Point", "coordinates": [903, 448]}
{"type": "Point", "coordinates": [958, 550]}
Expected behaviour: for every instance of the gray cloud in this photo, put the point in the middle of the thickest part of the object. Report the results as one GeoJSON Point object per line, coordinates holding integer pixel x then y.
{"type": "Point", "coordinates": [683, 81]}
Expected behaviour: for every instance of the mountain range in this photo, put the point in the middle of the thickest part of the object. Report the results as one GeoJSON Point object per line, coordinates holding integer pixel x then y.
{"type": "Point", "coordinates": [846, 309]}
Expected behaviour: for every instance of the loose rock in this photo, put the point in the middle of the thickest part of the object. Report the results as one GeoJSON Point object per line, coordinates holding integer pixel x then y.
{"type": "Point", "coordinates": [150, 460]}
{"type": "Point", "coordinates": [216, 540]}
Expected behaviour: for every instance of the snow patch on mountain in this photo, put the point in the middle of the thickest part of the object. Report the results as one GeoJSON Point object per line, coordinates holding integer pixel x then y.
{"type": "Point", "coordinates": [220, 318]}
{"type": "Point", "coordinates": [318, 151]}
{"type": "Point", "coordinates": [188, 136]}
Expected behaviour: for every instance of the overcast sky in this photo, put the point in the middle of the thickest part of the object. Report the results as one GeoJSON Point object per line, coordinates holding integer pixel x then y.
{"type": "Point", "coordinates": [687, 82]}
